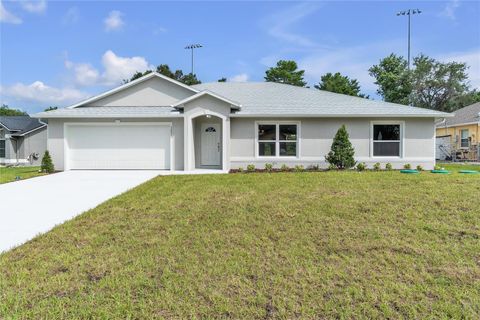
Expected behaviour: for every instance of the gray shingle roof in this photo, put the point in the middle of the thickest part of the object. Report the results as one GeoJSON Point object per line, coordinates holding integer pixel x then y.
{"type": "Point", "coordinates": [467, 114]}
{"type": "Point", "coordinates": [19, 125]}
{"type": "Point", "coordinates": [268, 98]}
{"type": "Point", "coordinates": [110, 112]}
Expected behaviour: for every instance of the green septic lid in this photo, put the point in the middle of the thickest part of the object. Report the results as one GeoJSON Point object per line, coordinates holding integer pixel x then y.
{"type": "Point", "coordinates": [440, 171]}
{"type": "Point", "coordinates": [469, 171]}
{"type": "Point", "coordinates": [409, 171]}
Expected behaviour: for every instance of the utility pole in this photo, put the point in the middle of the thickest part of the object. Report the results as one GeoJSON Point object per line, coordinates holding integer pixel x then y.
{"type": "Point", "coordinates": [191, 47]}
{"type": "Point", "coordinates": [409, 13]}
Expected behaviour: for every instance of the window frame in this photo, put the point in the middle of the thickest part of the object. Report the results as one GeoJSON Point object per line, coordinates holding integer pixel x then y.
{"type": "Point", "coordinates": [2, 138]}
{"type": "Point", "coordinates": [401, 141]}
{"type": "Point", "coordinates": [467, 139]}
{"type": "Point", "coordinates": [277, 140]}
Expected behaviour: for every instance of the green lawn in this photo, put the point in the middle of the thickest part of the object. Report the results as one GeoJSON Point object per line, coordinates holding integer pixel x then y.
{"type": "Point", "coordinates": [9, 174]}
{"type": "Point", "coordinates": [459, 166]}
{"type": "Point", "coordinates": [247, 246]}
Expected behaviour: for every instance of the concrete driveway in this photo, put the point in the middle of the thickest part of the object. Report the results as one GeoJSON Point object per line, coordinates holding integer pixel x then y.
{"type": "Point", "coordinates": [36, 205]}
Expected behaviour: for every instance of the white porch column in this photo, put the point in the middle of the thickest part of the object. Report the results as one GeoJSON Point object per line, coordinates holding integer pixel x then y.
{"type": "Point", "coordinates": [226, 144]}
{"type": "Point", "coordinates": [189, 152]}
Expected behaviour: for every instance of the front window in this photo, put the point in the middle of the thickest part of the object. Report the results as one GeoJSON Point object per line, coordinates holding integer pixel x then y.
{"type": "Point", "coordinates": [464, 143]}
{"type": "Point", "coordinates": [277, 139]}
{"type": "Point", "coordinates": [2, 144]}
{"type": "Point", "coordinates": [386, 140]}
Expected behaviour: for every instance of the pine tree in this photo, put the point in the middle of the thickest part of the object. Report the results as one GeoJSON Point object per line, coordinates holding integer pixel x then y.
{"type": "Point", "coordinates": [47, 163]}
{"type": "Point", "coordinates": [342, 152]}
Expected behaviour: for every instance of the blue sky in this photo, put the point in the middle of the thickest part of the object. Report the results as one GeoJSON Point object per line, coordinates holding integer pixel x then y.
{"type": "Point", "coordinates": [59, 52]}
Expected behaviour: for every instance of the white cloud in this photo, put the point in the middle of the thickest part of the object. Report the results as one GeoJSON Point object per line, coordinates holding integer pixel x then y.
{"type": "Point", "coordinates": [450, 8]}
{"type": "Point", "coordinates": [84, 73]}
{"type": "Point", "coordinates": [280, 24]}
{"type": "Point", "coordinates": [114, 21]}
{"type": "Point", "coordinates": [118, 68]}
{"type": "Point", "coordinates": [115, 69]}
{"type": "Point", "coordinates": [472, 59]}
{"type": "Point", "coordinates": [38, 6]}
{"type": "Point", "coordinates": [243, 77]}
{"type": "Point", "coordinates": [71, 16]}
{"type": "Point", "coordinates": [42, 93]}
{"type": "Point", "coordinates": [7, 17]}
{"type": "Point", "coordinates": [353, 62]}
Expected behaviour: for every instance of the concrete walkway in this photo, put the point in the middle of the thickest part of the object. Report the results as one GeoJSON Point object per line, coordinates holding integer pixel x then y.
{"type": "Point", "coordinates": [36, 205]}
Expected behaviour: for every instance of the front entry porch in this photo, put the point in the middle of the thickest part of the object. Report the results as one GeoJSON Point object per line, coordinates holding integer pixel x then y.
{"type": "Point", "coordinates": [206, 142]}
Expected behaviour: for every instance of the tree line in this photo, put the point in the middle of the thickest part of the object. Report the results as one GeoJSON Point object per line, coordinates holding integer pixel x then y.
{"type": "Point", "coordinates": [429, 83]}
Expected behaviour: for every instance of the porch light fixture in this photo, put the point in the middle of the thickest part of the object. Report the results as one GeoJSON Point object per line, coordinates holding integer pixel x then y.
{"type": "Point", "coordinates": [409, 13]}
{"type": "Point", "coordinates": [192, 47]}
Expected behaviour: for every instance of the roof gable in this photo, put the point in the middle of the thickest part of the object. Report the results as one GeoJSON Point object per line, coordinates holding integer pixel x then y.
{"type": "Point", "coordinates": [153, 89]}
{"type": "Point", "coordinates": [179, 104]}
{"type": "Point", "coordinates": [468, 114]}
{"type": "Point", "coordinates": [19, 125]}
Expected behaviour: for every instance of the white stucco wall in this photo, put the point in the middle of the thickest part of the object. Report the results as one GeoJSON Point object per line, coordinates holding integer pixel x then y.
{"type": "Point", "coordinates": [316, 136]}
{"type": "Point", "coordinates": [152, 92]}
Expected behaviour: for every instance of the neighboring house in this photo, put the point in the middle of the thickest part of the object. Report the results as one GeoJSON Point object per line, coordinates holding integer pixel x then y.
{"type": "Point", "coordinates": [460, 134]}
{"type": "Point", "coordinates": [158, 123]}
{"type": "Point", "coordinates": [23, 140]}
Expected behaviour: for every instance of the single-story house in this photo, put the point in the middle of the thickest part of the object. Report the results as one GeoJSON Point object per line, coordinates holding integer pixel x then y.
{"type": "Point", "coordinates": [23, 140]}
{"type": "Point", "coordinates": [460, 132]}
{"type": "Point", "coordinates": [155, 122]}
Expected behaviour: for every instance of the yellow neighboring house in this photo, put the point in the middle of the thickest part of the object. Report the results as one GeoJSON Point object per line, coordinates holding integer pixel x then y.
{"type": "Point", "coordinates": [460, 134]}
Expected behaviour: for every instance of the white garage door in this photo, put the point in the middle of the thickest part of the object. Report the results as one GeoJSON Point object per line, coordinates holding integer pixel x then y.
{"type": "Point", "coordinates": [118, 146]}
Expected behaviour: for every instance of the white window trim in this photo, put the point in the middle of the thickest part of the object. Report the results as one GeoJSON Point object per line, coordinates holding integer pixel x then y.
{"type": "Point", "coordinates": [277, 140]}
{"type": "Point", "coordinates": [402, 138]}
{"type": "Point", "coordinates": [467, 138]}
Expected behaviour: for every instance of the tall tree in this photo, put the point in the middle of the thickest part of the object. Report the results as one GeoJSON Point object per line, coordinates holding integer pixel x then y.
{"type": "Point", "coordinates": [222, 79]}
{"type": "Point", "coordinates": [190, 79]}
{"type": "Point", "coordinates": [340, 84]}
{"type": "Point", "coordinates": [393, 79]}
{"type": "Point", "coordinates": [286, 72]}
{"type": "Point", "coordinates": [5, 110]}
{"type": "Point", "coordinates": [50, 108]}
{"type": "Point", "coordinates": [164, 69]}
{"type": "Point", "coordinates": [437, 85]}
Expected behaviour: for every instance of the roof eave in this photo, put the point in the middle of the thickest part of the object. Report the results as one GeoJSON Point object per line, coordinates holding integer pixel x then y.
{"type": "Point", "coordinates": [297, 115]}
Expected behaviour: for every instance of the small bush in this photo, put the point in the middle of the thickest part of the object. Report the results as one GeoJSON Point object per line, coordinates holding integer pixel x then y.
{"type": "Point", "coordinates": [388, 166]}
{"type": "Point", "coordinates": [299, 168]}
{"type": "Point", "coordinates": [251, 168]}
{"type": "Point", "coordinates": [361, 166]}
{"type": "Point", "coordinates": [407, 166]}
{"type": "Point", "coordinates": [284, 167]}
{"type": "Point", "coordinates": [47, 163]}
{"type": "Point", "coordinates": [314, 167]}
{"type": "Point", "coordinates": [419, 168]}
{"type": "Point", "coordinates": [268, 167]}
{"type": "Point", "coordinates": [341, 152]}
{"type": "Point", "coordinates": [377, 166]}
{"type": "Point", "coordinates": [240, 169]}
{"type": "Point", "coordinates": [332, 167]}
{"type": "Point", "coordinates": [437, 167]}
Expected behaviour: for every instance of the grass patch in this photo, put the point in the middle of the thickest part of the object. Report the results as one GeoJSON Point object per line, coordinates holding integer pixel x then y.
{"type": "Point", "coordinates": [459, 166]}
{"type": "Point", "coordinates": [284, 245]}
{"type": "Point", "coordinates": [8, 174]}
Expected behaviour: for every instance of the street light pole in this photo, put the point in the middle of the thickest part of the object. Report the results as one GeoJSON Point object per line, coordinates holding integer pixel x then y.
{"type": "Point", "coordinates": [409, 13]}
{"type": "Point", "coordinates": [191, 47]}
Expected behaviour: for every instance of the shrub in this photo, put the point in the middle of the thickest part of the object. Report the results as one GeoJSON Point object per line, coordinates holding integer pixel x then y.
{"type": "Point", "coordinates": [437, 167]}
{"type": "Point", "coordinates": [299, 168]}
{"type": "Point", "coordinates": [268, 167]}
{"type": "Point", "coordinates": [407, 166]}
{"type": "Point", "coordinates": [332, 167]}
{"type": "Point", "coordinates": [284, 167]}
{"type": "Point", "coordinates": [419, 168]}
{"type": "Point", "coordinates": [251, 168]}
{"type": "Point", "coordinates": [314, 167]}
{"type": "Point", "coordinates": [388, 166]}
{"type": "Point", "coordinates": [342, 152]}
{"type": "Point", "coordinates": [377, 166]}
{"type": "Point", "coordinates": [240, 169]}
{"type": "Point", "coordinates": [361, 166]}
{"type": "Point", "coordinates": [47, 163]}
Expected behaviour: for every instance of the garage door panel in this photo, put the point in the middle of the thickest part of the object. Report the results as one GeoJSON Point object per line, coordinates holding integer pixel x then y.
{"type": "Point", "coordinates": [118, 146]}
